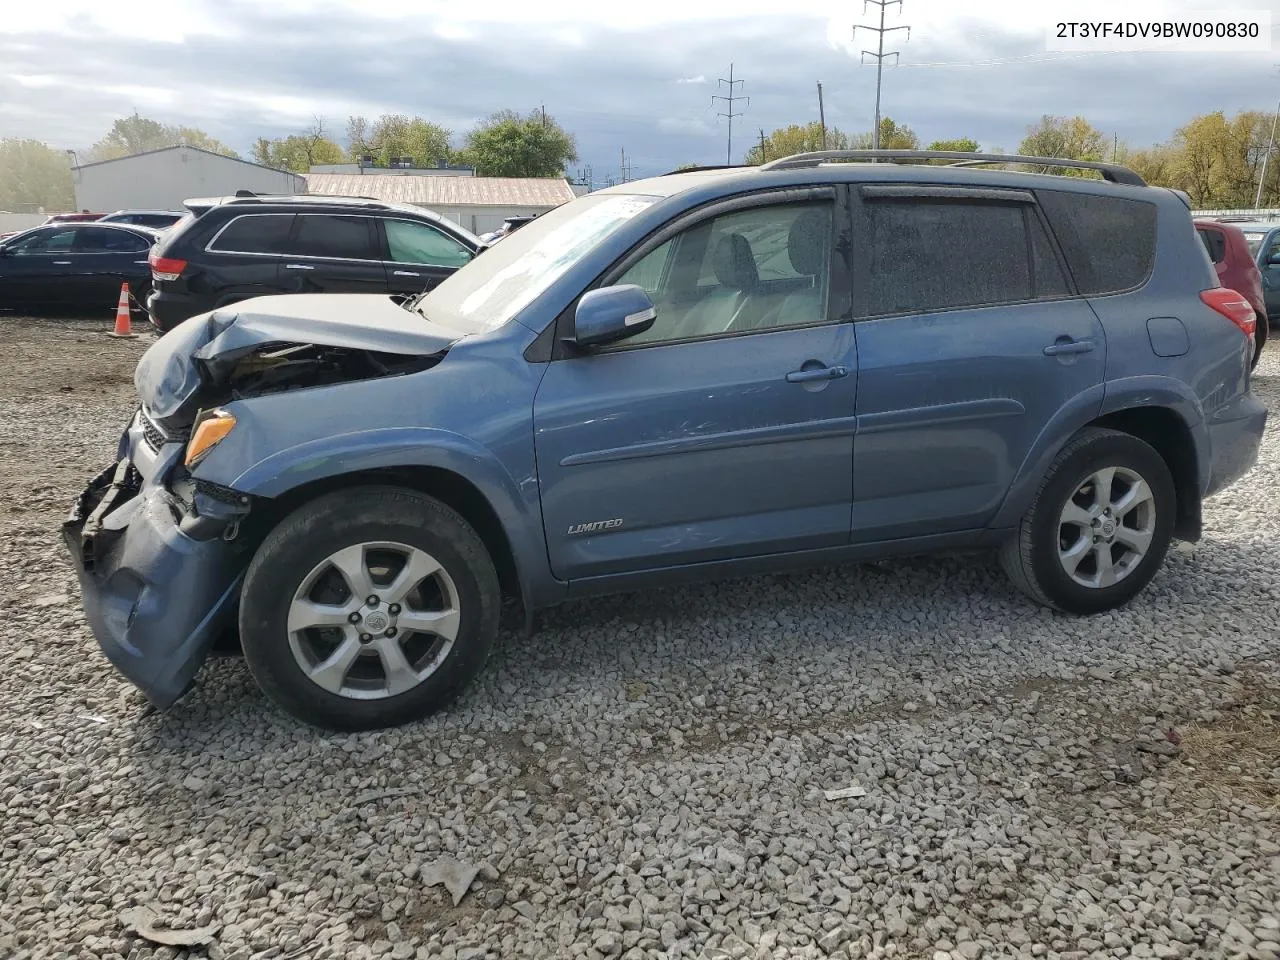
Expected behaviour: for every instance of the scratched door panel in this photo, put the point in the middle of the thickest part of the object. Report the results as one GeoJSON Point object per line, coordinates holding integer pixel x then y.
{"type": "Point", "coordinates": [695, 451]}
{"type": "Point", "coordinates": [949, 405]}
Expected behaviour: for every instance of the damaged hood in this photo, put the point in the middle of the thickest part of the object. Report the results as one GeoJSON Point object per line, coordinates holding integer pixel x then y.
{"type": "Point", "coordinates": [201, 351]}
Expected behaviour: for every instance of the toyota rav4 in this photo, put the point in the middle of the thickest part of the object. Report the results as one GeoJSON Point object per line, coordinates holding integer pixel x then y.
{"type": "Point", "coordinates": [714, 373]}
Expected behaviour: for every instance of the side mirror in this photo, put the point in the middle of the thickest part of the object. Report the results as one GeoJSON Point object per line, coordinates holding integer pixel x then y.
{"type": "Point", "coordinates": [611, 314]}
{"type": "Point", "coordinates": [1273, 260]}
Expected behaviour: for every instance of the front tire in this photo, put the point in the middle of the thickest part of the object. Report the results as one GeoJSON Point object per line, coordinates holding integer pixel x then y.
{"type": "Point", "coordinates": [368, 608]}
{"type": "Point", "coordinates": [1099, 526]}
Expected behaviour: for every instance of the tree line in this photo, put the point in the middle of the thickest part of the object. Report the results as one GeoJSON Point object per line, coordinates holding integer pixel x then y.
{"type": "Point", "coordinates": [1216, 159]}
{"type": "Point", "coordinates": [505, 144]}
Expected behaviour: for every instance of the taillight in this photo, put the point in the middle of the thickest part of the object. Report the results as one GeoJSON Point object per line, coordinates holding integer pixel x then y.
{"type": "Point", "coordinates": [166, 268]}
{"type": "Point", "coordinates": [1232, 306]}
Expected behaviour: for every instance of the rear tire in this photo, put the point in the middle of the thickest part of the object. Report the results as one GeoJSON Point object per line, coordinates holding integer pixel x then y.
{"type": "Point", "coordinates": [368, 608]}
{"type": "Point", "coordinates": [1099, 526]}
{"type": "Point", "coordinates": [1260, 332]}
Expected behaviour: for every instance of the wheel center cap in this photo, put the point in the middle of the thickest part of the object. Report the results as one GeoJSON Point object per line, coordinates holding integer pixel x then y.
{"type": "Point", "coordinates": [376, 621]}
{"type": "Point", "coordinates": [1108, 528]}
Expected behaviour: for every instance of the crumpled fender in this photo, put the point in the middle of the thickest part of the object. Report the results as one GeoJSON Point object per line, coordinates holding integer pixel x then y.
{"type": "Point", "coordinates": [514, 501]}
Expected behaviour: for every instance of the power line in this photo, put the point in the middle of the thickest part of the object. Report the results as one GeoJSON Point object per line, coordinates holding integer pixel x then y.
{"type": "Point", "coordinates": [879, 54]}
{"type": "Point", "coordinates": [728, 153]}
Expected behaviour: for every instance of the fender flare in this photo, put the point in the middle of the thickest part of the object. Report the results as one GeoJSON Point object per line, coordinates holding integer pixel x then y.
{"type": "Point", "coordinates": [417, 447]}
{"type": "Point", "coordinates": [1098, 401]}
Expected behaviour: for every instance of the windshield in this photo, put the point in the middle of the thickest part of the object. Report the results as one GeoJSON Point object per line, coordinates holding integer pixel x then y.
{"type": "Point", "coordinates": [510, 275]}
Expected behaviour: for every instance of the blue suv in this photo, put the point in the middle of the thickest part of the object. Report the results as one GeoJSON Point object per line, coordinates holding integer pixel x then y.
{"type": "Point", "coordinates": [708, 374]}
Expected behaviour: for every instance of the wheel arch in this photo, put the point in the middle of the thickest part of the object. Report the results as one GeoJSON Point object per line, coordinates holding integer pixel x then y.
{"type": "Point", "coordinates": [1157, 410]}
{"type": "Point", "coordinates": [447, 486]}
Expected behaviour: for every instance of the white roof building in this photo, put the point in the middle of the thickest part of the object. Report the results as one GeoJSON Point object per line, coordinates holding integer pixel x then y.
{"type": "Point", "coordinates": [479, 204]}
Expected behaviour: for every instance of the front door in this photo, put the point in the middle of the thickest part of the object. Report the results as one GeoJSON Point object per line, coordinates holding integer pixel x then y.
{"type": "Point", "coordinates": [419, 256]}
{"type": "Point", "coordinates": [35, 271]}
{"type": "Point", "coordinates": [726, 429]}
{"type": "Point", "coordinates": [970, 343]}
{"type": "Point", "coordinates": [332, 253]}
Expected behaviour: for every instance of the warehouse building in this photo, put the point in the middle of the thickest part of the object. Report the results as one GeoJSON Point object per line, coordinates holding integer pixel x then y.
{"type": "Point", "coordinates": [163, 179]}
{"type": "Point", "coordinates": [479, 204]}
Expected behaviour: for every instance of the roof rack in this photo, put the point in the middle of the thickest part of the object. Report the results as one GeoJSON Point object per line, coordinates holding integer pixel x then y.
{"type": "Point", "coordinates": [1114, 173]}
{"type": "Point", "coordinates": [710, 166]}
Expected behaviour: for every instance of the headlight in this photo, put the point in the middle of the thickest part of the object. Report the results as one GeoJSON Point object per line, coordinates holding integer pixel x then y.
{"type": "Point", "coordinates": [210, 427]}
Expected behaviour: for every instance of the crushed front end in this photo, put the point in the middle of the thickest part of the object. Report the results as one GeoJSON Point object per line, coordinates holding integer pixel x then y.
{"type": "Point", "coordinates": [159, 562]}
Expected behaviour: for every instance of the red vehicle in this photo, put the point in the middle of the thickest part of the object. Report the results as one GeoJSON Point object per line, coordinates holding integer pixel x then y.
{"type": "Point", "coordinates": [83, 216]}
{"type": "Point", "coordinates": [1229, 250]}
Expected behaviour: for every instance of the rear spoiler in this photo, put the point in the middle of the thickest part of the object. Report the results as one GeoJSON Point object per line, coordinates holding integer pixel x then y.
{"type": "Point", "coordinates": [1181, 195]}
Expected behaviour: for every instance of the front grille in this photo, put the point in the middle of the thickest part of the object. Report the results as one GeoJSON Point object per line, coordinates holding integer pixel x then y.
{"type": "Point", "coordinates": [152, 434]}
{"type": "Point", "coordinates": [218, 492]}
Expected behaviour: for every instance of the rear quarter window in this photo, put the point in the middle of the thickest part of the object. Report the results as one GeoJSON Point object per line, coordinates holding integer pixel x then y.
{"type": "Point", "coordinates": [1109, 242]}
{"type": "Point", "coordinates": [254, 233]}
{"type": "Point", "coordinates": [1214, 242]}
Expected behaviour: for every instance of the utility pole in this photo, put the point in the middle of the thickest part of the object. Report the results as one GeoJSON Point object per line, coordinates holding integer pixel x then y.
{"type": "Point", "coordinates": [544, 115]}
{"type": "Point", "coordinates": [733, 84]}
{"type": "Point", "coordinates": [822, 117]}
{"type": "Point", "coordinates": [1262, 177]}
{"type": "Point", "coordinates": [879, 54]}
{"type": "Point", "coordinates": [1115, 146]}
{"type": "Point", "coordinates": [764, 151]}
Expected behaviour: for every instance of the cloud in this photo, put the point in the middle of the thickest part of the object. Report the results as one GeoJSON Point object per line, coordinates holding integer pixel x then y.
{"type": "Point", "coordinates": [264, 70]}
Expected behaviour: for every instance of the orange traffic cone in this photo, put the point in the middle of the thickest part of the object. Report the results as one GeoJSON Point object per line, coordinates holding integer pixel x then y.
{"type": "Point", "coordinates": [123, 328]}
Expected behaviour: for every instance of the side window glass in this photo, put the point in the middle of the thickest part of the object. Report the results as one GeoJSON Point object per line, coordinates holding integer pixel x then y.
{"type": "Point", "coordinates": [255, 233]}
{"type": "Point", "coordinates": [336, 237]}
{"type": "Point", "coordinates": [1214, 243]}
{"type": "Point", "coordinates": [1272, 259]}
{"type": "Point", "coordinates": [1048, 280]}
{"type": "Point", "coordinates": [1109, 242]}
{"type": "Point", "coordinates": [409, 242]}
{"type": "Point", "coordinates": [931, 255]}
{"type": "Point", "coordinates": [102, 240]}
{"type": "Point", "coordinates": [747, 271]}
{"type": "Point", "coordinates": [49, 241]}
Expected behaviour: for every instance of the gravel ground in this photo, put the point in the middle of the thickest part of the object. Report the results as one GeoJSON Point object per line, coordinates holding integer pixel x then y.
{"type": "Point", "coordinates": [645, 776]}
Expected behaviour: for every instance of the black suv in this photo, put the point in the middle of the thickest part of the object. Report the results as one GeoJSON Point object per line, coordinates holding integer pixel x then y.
{"type": "Point", "coordinates": [232, 248]}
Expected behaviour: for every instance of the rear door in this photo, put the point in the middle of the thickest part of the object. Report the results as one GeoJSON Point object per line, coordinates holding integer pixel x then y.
{"type": "Point", "coordinates": [969, 341]}
{"type": "Point", "coordinates": [418, 256]}
{"type": "Point", "coordinates": [102, 259]}
{"type": "Point", "coordinates": [36, 268]}
{"type": "Point", "coordinates": [333, 253]}
{"type": "Point", "coordinates": [241, 260]}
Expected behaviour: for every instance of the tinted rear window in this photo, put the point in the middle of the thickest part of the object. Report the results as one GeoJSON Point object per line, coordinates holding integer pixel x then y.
{"type": "Point", "coordinates": [323, 235]}
{"type": "Point", "coordinates": [1214, 242]}
{"type": "Point", "coordinates": [258, 233]}
{"type": "Point", "coordinates": [1109, 242]}
{"type": "Point", "coordinates": [939, 255]}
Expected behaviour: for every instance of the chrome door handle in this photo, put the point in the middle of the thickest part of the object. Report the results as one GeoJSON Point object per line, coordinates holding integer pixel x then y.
{"type": "Point", "coordinates": [298, 266]}
{"type": "Point", "coordinates": [1064, 347]}
{"type": "Point", "coordinates": [817, 373]}
{"type": "Point", "coordinates": [404, 273]}
{"type": "Point", "coordinates": [62, 263]}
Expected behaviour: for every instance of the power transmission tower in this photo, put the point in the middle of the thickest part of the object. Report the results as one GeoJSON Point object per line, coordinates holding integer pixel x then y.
{"type": "Point", "coordinates": [879, 53]}
{"type": "Point", "coordinates": [732, 96]}
{"type": "Point", "coordinates": [626, 167]}
{"type": "Point", "coordinates": [822, 116]}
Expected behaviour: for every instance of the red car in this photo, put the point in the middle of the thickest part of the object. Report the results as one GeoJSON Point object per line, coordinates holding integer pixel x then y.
{"type": "Point", "coordinates": [82, 217]}
{"type": "Point", "coordinates": [1237, 270]}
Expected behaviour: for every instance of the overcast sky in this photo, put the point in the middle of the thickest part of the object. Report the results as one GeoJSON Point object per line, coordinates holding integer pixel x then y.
{"type": "Point", "coordinates": [635, 76]}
